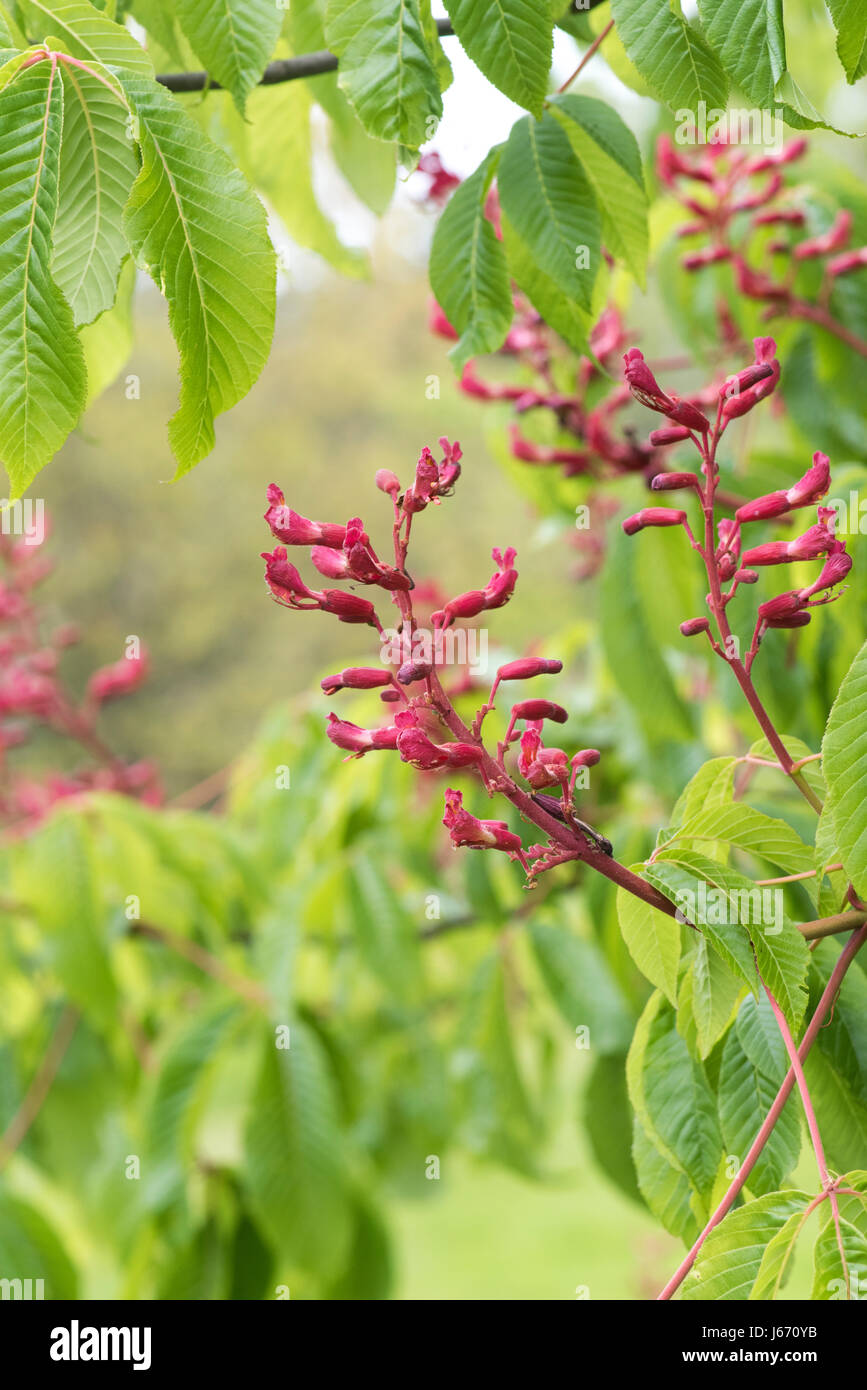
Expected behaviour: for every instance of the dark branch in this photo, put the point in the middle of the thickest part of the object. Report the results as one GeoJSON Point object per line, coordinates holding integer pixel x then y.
{"type": "Point", "coordinates": [308, 65]}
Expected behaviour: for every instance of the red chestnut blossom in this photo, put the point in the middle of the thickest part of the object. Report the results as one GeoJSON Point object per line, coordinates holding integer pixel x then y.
{"type": "Point", "coordinates": [119, 679]}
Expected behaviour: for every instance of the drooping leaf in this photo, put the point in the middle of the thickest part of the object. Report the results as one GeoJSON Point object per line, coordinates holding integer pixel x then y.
{"type": "Point", "coordinates": [844, 759]}
{"type": "Point", "coordinates": [233, 38]}
{"type": "Point", "coordinates": [608, 1120]}
{"type": "Point", "coordinates": [607, 149]}
{"type": "Point", "coordinates": [511, 42]}
{"type": "Point", "coordinates": [468, 271]}
{"type": "Point", "coordinates": [41, 362]}
{"type": "Point", "coordinates": [30, 1250]}
{"type": "Point", "coordinates": [97, 170]}
{"type": "Point", "coordinates": [664, 1187]}
{"type": "Point", "coordinates": [843, 1275]}
{"type": "Point", "coordinates": [714, 992]}
{"type": "Point", "coordinates": [850, 21]}
{"type": "Point", "coordinates": [199, 230]}
{"type": "Point", "coordinates": [670, 54]}
{"type": "Point", "coordinates": [387, 69]}
{"type": "Point", "coordinates": [108, 341]}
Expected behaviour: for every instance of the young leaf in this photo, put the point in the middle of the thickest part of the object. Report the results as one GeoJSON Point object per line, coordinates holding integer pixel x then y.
{"type": "Point", "coordinates": [607, 149]}
{"type": "Point", "coordinates": [748, 829]}
{"type": "Point", "coordinates": [294, 1156]}
{"type": "Point", "coordinates": [729, 1261]}
{"type": "Point", "coordinates": [511, 42]}
{"type": "Point", "coordinates": [233, 38]}
{"type": "Point", "coordinates": [386, 69]}
{"type": "Point", "coordinates": [97, 170]}
{"type": "Point", "coordinates": [671, 55]}
{"type": "Point", "coordinates": [844, 758]}
{"type": "Point", "coordinates": [850, 21]}
{"type": "Point", "coordinates": [710, 786]}
{"type": "Point", "coordinates": [468, 272]}
{"type": "Point", "coordinates": [200, 231]}
{"type": "Point", "coordinates": [549, 203]}
{"type": "Point", "coordinates": [714, 992]}
{"type": "Point", "coordinates": [41, 362]}
{"type": "Point", "coordinates": [87, 33]}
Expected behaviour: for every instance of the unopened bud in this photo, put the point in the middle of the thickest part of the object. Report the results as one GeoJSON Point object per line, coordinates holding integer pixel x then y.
{"type": "Point", "coordinates": [670, 482]}
{"type": "Point", "coordinates": [673, 435]}
{"type": "Point", "coordinates": [527, 666]}
{"type": "Point", "coordinates": [694, 625]}
{"type": "Point", "coordinates": [387, 481]}
{"type": "Point", "coordinates": [539, 709]}
{"type": "Point", "coordinates": [653, 516]}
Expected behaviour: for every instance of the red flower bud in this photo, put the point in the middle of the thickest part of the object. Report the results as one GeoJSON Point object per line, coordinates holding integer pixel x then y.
{"type": "Point", "coordinates": [673, 435]}
{"type": "Point", "coordinates": [539, 709]}
{"type": "Point", "coordinates": [528, 666]}
{"type": "Point", "coordinates": [587, 757]}
{"type": "Point", "coordinates": [349, 608]}
{"type": "Point", "coordinates": [849, 261]}
{"type": "Point", "coordinates": [387, 481]}
{"type": "Point", "coordinates": [412, 671]}
{"type": "Point", "coordinates": [814, 484]}
{"type": "Point", "coordinates": [832, 240]}
{"type": "Point", "coordinates": [692, 626]}
{"type": "Point", "coordinates": [747, 576]}
{"type": "Point", "coordinates": [356, 678]}
{"type": "Point", "coordinates": [781, 608]}
{"type": "Point", "coordinates": [120, 678]}
{"type": "Point", "coordinates": [697, 260]}
{"type": "Point", "coordinates": [293, 529]}
{"type": "Point", "coordinates": [762, 508]}
{"type": "Point", "coordinates": [653, 516]}
{"type": "Point", "coordinates": [670, 482]}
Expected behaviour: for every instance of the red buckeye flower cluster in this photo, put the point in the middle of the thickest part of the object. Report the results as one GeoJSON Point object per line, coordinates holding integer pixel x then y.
{"type": "Point", "coordinates": [742, 210]}
{"type": "Point", "coordinates": [423, 726]}
{"type": "Point", "coordinates": [728, 557]}
{"type": "Point", "coordinates": [33, 694]}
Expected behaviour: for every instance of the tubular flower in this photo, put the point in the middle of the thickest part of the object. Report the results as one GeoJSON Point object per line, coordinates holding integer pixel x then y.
{"type": "Point", "coordinates": [497, 592]}
{"type": "Point", "coordinates": [467, 830]}
{"type": "Point", "coordinates": [645, 388]}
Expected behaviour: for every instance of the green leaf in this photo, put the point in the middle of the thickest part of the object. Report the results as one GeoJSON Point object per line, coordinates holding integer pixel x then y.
{"type": "Point", "coordinates": [511, 42]}
{"type": "Point", "coordinates": [710, 786]}
{"type": "Point", "coordinates": [748, 37]}
{"type": "Point", "coordinates": [713, 993]}
{"type": "Point", "coordinates": [386, 69]}
{"type": "Point", "coordinates": [672, 1099]}
{"type": "Point", "coordinates": [735, 914]}
{"type": "Point", "coordinates": [671, 56]}
{"type": "Point", "coordinates": [664, 1188]}
{"type": "Point", "coordinates": [841, 1116]}
{"type": "Point", "coordinates": [193, 222]}
{"type": "Point", "coordinates": [729, 1261]}
{"type": "Point", "coordinates": [653, 939]}
{"type": "Point", "coordinates": [583, 987]}
{"type": "Point", "coordinates": [87, 33]}
{"type": "Point", "coordinates": [468, 271]}
{"type": "Point", "coordinates": [369, 1268]}
{"type": "Point", "coordinates": [29, 1249]}
{"type": "Point", "coordinates": [564, 315]}
{"type": "Point", "coordinates": [844, 759]}
{"type": "Point", "coordinates": [738, 824]}
{"type": "Point", "coordinates": [108, 341]}
{"type": "Point", "coordinates": [386, 933]}
{"type": "Point", "coordinates": [97, 171]}
{"type": "Point", "coordinates": [607, 149]}
{"type": "Point", "coordinates": [274, 149]}
{"type": "Point", "coordinates": [548, 201]}
{"type": "Point", "coordinates": [41, 361]}
{"type": "Point", "coordinates": [294, 1155]}
{"type": "Point", "coordinates": [744, 1097]}
{"type": "Point", "coordinates": [850, 21]}
{"type": "Point", "coordinates": [608, 1121]}
{"type": "Point", "coordinates": [832, 1279]}
{"type": "Point", "coordinates": [233, 38]}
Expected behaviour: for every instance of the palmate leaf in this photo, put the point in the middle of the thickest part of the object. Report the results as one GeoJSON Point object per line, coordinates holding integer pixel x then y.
{"type": "Point", "coordinates": [511, 42]}
{"type": "Point", "coordinates": [97, 170]}
{"type": "Point", "coordinates": [233, 38]}
{"type": "Point", "coordinates": [844, 759]}
{"type": "Point", "coordinates": [670, 54]}
{"type": "Point", "coordinates": [468, 272]}
{"type": "Point", "coordinates": [387, 68]}
{"type": "Point", "coordinates": [199, 230]}
{"type": "Point", "coordinates": [41, 361]}
{"type": "Point", "coordinates": [86, 33]}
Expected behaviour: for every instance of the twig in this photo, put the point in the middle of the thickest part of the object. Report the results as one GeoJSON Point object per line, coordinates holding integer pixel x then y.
{"type": "Point", "coordinates": [40, 1085]}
